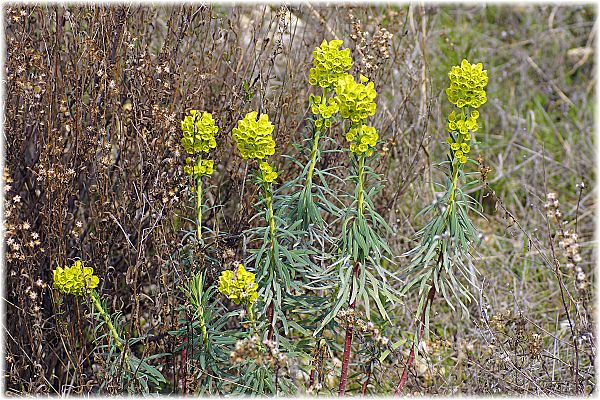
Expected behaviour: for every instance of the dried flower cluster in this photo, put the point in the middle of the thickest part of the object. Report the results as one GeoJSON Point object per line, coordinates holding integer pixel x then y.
{"type": "Point", "coordinates": [373, 53]}
{"type": "Point", "coordinates": [568, 241]}
{"type": "Point", "coordinates": [250, 348]}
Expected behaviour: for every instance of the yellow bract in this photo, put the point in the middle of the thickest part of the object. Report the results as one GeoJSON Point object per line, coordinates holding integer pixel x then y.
{"type": "Point", "coordinates": [198, 132]}
{"type": "Point", "coordinates": [363, 139]}
{"type": "Point", "coordinates": [201, 168]}
{"type": "Point", "coordinates": [329, 64]}
{"type": "Point", "coordinates": [239, 286]}
{"type": "Point", "coordinates": [355, 99]}
{"type": "Point", "coordinates": [268, 175]}
{"type": "Point", "coordinates": [76, 280]}
{"type": "Point", "coordinates": [325, 108]}
{"type": "Point", "coordinates": [253, 137]}
{"type": "Point", "coordinates": [467, 84]}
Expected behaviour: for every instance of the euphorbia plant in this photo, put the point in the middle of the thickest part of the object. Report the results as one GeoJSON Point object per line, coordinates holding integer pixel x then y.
{"type": "Point", "coordinates": [438, 263]}
{"type": "Point", "coordinates": [362, 248]}
{"type": "Point", "coordinates": [80, 282]}
{"type": "Point", "coordinates": [329, 64]}
{"type": "Point", "coordinates": [198, 138]}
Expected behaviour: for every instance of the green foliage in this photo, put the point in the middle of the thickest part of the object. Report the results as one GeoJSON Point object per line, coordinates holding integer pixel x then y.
{"type": "Point", "coordinates": [132, 374]}
{"type": "Point", "coordinates": [440, 261]}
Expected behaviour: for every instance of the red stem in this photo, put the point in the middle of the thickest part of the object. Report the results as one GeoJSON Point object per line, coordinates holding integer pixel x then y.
{"type": "Point", "coordinates": [411, 356]}
{"type": "Point", "coordinates": [348, 341]}
{"type": "Point", "coordinates": [313, 372]}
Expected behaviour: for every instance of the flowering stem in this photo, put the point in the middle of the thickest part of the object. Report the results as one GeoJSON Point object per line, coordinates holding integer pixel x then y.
{"type": "Point", "coordinates": [106, 317]}
{"type": "Point", "coordinates": [271, 217]}
{"type": "Point", "coordinates": [313, 161]}
{"type": "Point", "coordinates": [452, 198]}
{"type": "Point", "coordinates": [360, 193]}
{"type": "Point", "coordinates": [199, 208]}
{"type": "Point", "coordinates": [361, 185]}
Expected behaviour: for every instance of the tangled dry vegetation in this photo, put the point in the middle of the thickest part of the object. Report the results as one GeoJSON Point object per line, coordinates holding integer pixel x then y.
{"type": "Point", "coordinates": [93, 170]}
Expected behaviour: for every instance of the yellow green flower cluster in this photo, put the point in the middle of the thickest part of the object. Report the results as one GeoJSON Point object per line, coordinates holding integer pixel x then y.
{"type": "Point", "coordinates": [329, 64]}
{"type": "Point", "coordinates": [462, 124]}
{"type": "Point", "coordinates": [201, 168]}
{"type": "Point", "coordinates": [323, 108]}
{"type": "Point", "coordinates": [253, 137]}
{"type": "Point", "coordinates": [355, 99]}
{"type": "Point", "coordinates": [363, 139]}
{"type": "Point", "coordinates": [268, 175]}
{"type": "Point", "coordinates": [76, 280]}
{"type": "Point", "coordinates": [198, 132]}
{"type": "Point", "coordinates": [239, 286]}
{"type": "Point", "coordinates": [461, 127]}
{"type": "Point", "coordinates": [467, 83]}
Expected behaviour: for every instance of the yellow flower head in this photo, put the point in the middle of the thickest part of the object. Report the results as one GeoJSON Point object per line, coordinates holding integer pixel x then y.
{"type": "Point", "coordinates": [363, 139]}
{"type": "Point", "coordinates": [325, 108]}
{"type": "Point", "coordinates": [201, 168]}
{"type": "Point", "coordinates": [329, 64]}
{"type": "Point", "coordinates": [467, 83]}
{"type": "Point", "coordinates": [239, 286]}
{"type": "Point", "coordinates": [355, 99]}
{"type": "Point", "coordinates": [253, 137]}
{"type": "Point", "coordinates": [266, 172]}
{"type": "Point", "coordinates": [198, 132]}
{"type": "Point", "coordinates": [76, 280]}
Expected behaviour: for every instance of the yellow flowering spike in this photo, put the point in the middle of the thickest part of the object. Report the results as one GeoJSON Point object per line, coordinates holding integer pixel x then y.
{"type": "Point", "coordinates": [253, 136]}
{"type": "Point", "coordinates": [355, 100]}
{"type": "Point", "coordinates": [239, 286]}
{"type": "Point", "coordinates": [266, 172]}
{"type": "Point", "coordinates": [200, 168]}
{"type": "Point", "coordinates": [362, 139]}
{"type": "Point", "coordinates": [329, 64]}
{"type": "Point", "coordinates": [467, 83]}
{"type": "Point", "coordinates": [198, 132]}
{"type": "Point", "coordinates": [76, 280]}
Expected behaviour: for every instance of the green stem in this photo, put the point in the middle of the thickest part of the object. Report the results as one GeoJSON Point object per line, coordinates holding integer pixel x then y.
{"type": "Point", "coordinates": [202, 324]}
{"type": "Point", "coordinates": [252, 319]}
{"type": "Point", "coordinates": [199, 208]}
{"type": "Point", "coordinates": [313, 161]}
{"type": "Point", "coordinates": [360, 195]}
{"type": "Point", "coordinates": [453, 188]}
{"type": "Point", "coordinates": [96, 300]}
{"type": "Point", "coordinates": [271, 217]}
